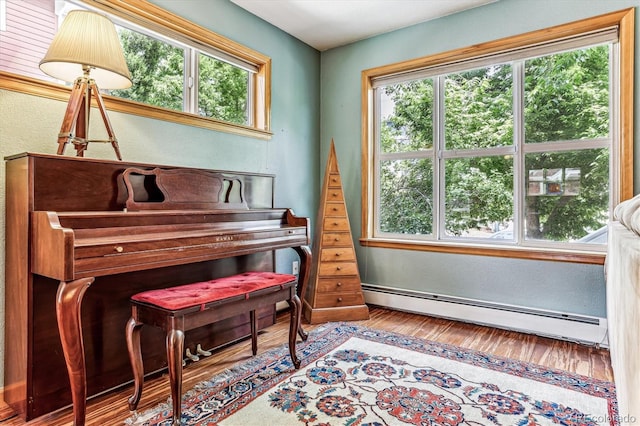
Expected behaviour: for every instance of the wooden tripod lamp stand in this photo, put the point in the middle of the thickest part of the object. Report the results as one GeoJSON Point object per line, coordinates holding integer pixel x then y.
{"type": "Point", "coordinates": [86, 51]}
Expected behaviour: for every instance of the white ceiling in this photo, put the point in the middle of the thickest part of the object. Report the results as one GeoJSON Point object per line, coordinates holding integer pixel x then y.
{"type": "Point", "coordinates": [324, 24]}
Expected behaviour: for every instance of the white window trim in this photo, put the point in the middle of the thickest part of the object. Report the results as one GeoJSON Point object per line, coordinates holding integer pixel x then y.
{"type": "Point", "coordinates": [439, 154]}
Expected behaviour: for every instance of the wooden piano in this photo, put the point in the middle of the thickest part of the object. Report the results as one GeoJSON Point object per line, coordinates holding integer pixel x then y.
{"type": "Point", "coordinates": [83, 235]}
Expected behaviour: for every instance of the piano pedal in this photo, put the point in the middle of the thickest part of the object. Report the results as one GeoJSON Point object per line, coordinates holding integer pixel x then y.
{"type": "Point", "coordinates": [192, 357]}
{"type": "Point", "coordinates": [201, 351]}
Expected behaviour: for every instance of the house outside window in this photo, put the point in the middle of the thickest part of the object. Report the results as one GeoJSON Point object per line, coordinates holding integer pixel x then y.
{"type": "Point", "coordinates": [516, 152]}
{"type": "Point", "coordinates": [201, 75]}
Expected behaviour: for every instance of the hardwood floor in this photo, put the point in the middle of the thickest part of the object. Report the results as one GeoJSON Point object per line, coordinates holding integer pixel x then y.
{"type": "Point", "coordinates": [112, 409]}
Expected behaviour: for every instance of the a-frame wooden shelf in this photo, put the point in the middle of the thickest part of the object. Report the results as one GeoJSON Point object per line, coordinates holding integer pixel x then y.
{"type": "Point", "coordinates": [334, 292]}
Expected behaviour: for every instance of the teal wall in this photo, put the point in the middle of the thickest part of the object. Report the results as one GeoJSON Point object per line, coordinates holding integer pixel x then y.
{"type": "Point", "coordinates": [567, 287]}
{"type": "Point", "coordinates": [30, 123]}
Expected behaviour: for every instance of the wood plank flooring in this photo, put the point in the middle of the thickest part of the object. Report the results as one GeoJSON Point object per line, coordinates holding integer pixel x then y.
{"type": "Point", "coordinates": [112, 409]}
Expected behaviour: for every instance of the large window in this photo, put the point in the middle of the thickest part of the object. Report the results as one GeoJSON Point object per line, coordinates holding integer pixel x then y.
{"type": "Point", "coordinates": [513, 148]}
{"type": "Point", "coordinates": [180, 72]}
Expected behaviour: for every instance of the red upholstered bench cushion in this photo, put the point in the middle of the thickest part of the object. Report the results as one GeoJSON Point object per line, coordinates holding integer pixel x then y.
{"type": "Point", "coordinates": [201, 293]}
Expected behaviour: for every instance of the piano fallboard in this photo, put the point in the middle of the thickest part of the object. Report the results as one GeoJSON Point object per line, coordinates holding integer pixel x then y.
{"type": "Point", "coordinates": [73, 245]}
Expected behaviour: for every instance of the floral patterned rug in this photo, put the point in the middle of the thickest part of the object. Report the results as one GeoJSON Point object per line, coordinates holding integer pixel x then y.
{"type": "Point", "coordinates": [352, 375]}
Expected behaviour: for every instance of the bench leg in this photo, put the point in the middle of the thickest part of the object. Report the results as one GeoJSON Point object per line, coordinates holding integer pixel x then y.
{"type": "Point", "coordinates": [254, 332]}
{"type": "Point", "coordinates": [175, 347]}
{"type": "Point", "coordinates": [294, 327]}
{"type": "Point", "coordinates": [303, 279]}
{"type": "Point", "coordinates": [135, 356]}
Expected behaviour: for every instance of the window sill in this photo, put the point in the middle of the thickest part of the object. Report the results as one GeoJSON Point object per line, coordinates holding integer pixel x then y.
{"type": "Point", "coordinates": [32, 86]}
{"type": "Point", "coordinates": [574, 256]}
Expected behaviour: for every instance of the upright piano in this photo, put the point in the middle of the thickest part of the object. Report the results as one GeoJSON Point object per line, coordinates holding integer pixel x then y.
{"type": "Point", "coordinates": [83, 235]}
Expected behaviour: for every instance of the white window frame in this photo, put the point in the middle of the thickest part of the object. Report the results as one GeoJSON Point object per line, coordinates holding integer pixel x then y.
{"type": "Point", "coordinates": [621, 130]}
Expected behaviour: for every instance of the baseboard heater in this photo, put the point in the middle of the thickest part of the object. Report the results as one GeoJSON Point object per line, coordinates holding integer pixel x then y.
{"type": "Point", "coordinates": [558, 325]}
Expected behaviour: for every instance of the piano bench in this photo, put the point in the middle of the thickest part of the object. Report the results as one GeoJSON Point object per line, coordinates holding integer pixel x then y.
{"type": "Point", "coordinates": [182, 308]}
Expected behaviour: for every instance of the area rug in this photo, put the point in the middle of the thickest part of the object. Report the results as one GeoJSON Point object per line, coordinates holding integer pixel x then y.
{"type": "Point", "coordinates": [353, 375]}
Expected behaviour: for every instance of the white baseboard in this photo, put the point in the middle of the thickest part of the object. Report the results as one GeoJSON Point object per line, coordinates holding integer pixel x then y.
{"type": "Point", "coordinates": [576, 328]}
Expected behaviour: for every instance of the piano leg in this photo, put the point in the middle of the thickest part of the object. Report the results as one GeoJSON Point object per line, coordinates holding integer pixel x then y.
{"type": "Point", "coordinates": [135, 356]}
{"type": "Point", "coordinates": [68, 310]}
{"type": "Point", "coordinates": [303, 279]}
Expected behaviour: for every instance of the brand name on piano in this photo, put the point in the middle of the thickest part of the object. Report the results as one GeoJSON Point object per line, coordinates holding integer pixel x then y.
{"type": "Point", "coordinates": [224, 238]}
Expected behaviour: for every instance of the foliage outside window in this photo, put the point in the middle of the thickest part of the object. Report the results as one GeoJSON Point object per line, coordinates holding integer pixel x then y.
{"type": "Point", "coordinates": [512, 153]}
{"type": "Point", "coordinates": [229, 104]}
{"type": "Point", "coordinates": [180, 72]}
{"type": "Point", "coordinates": [157, 70]}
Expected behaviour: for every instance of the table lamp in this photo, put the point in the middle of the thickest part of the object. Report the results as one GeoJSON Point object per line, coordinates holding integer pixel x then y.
{"type": "Point", "coordinates": [87, 51]}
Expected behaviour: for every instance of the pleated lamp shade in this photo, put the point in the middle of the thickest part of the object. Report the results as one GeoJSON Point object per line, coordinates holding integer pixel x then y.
{"type": "Point", "coordinates": [87, 39]}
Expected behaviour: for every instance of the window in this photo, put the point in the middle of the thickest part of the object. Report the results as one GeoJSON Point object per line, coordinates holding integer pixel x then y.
{"type": "Point", "coordinates": [512, 148]}
{"type": "Point", "coordinates": [180, 72]}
